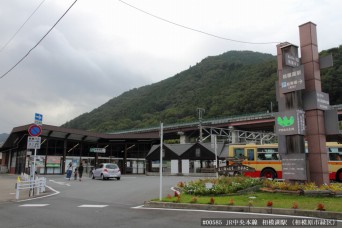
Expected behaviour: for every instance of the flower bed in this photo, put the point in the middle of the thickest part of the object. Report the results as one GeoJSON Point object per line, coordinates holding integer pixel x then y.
{"type": "Point", "coordinates": [220, 186]}
{"type": "Point", "coordinates": [334, 189]}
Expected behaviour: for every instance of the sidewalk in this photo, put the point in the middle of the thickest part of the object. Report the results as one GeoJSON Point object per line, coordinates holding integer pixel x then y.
{"type": "Point", "coordinates": [7, 188]}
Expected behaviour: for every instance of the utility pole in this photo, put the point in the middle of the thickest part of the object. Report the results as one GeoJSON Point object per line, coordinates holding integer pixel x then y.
{"type": "Point", "coordinates": [200, 115]}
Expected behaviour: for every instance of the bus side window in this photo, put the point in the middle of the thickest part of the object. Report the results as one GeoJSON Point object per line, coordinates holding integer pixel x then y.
{"type": "Point", "coordinates": [238, 153]}
{"type": "Point", "coordinates": [250, 154]}
{"type": "Point", "coordinates": [334, 157]}
{"type": "Point", "coordinates": [275, 156]}
{"type": "Point", "coordinates": [261, 156]}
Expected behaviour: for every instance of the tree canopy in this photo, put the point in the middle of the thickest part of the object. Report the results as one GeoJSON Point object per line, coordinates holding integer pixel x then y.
{"type": "Point", "coordinates": [233, 83]}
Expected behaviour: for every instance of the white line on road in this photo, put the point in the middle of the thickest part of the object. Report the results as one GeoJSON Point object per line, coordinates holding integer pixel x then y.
{"type": "Point", "coordinates": [34, 205]}
{"type": "Point", "coordinates": [90, 205]}
{"type": "Point", "coordinates": [40, 197]}
{"type": "Point", "coordinates": [60, 182]}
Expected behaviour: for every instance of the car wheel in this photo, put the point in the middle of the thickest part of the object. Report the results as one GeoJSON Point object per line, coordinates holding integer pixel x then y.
{"type": "Point", "coordinates": [118, 178]}
{"type": "Point", "coordinates": [102, 176]}
{"type": "Point", "coordinates": [92, 176]}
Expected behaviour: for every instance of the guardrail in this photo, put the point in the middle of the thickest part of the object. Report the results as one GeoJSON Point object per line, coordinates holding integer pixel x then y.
{"type": "Point", "coordinates": [34, 186]}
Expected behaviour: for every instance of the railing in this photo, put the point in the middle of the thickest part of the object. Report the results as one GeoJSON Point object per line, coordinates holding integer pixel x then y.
{"type": "Point", "coordinates": [34, 186]}
{"type": "Point", "coordinates": [222, 120]}
{"type": "Point", "coordinates": [242, 136]}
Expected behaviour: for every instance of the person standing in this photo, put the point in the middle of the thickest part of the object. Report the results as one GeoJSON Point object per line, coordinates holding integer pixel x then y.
{"type": "Point", "coordinates": [75, 174]}
{"type": "Point", "coordinates": [80, 171]}
{"type": "Point", "coordinates": [69, 171]}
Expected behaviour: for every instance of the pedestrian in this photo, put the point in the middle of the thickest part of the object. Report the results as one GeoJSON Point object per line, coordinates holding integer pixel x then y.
{"type": "Point", "coordinates": [69, 171]}
{"type": "Point", "coordinates": [80, 171]}
{"type": "Point", "coordinates": [75, 174]}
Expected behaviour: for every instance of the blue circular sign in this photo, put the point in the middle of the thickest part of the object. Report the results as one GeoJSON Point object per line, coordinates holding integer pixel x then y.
{"type": "Point", "coordinates": [35, 130]}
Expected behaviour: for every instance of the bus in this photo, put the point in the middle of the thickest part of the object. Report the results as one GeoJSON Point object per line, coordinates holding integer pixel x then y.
{"type": "Point", "coordinates": [266, 161]}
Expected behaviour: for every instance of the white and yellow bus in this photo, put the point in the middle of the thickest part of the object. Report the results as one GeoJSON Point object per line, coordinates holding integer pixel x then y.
{"type": "Point", "coordinates": [266, 161]}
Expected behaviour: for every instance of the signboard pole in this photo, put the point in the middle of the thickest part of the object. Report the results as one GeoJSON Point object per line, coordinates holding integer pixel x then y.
{"type": "Point", "coordinates": [161, 163]}
{"type": "Point", "coordinates": [34, 164]}
{"type": "Point", "coordinates": [217, 166]}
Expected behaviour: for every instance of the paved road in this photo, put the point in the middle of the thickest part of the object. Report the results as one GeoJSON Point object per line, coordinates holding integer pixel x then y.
{"type": "Point", "coordinates": [97, 203]}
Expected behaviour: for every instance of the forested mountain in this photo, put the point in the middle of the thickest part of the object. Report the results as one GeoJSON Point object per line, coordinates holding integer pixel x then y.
{"type": "Point", "coordinates": [3, 137]}
{"type": "Point", "coordinates": [234, 83]}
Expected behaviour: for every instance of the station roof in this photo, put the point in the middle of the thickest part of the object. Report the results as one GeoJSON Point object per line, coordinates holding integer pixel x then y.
{"type": "Point", "coordinates": [18, 133]}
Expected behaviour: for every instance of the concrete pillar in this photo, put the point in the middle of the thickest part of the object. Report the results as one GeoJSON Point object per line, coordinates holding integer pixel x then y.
{"type": "Point", "coordinates": [234, 134]}
{"type": "Point", "coordinates": [184, 139]}
{"type": "Point", "coordinates": [315, 132]}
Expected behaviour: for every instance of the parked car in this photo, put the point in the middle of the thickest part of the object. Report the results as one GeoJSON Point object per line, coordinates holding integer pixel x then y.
{"type": "Point", "coordinates": [106, 171]}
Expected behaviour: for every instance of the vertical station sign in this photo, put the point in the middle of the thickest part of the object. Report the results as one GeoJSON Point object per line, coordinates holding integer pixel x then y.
{"type": "Point", "coordinates": [290, 121]}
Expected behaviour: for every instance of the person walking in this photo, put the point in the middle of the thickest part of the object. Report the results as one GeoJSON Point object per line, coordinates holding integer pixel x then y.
{"type": "Point", "coordinates": [69, 171]}
{"type": "Point", "coordinates": [75, 173]}
{"type": "Point", "coordinates": [80, 171]}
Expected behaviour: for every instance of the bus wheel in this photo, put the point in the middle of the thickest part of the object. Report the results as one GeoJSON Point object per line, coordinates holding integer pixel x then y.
{"type": "Point", "coordinates": [339, 176]}
{"type": "Point", "coordinates": [268, 173]}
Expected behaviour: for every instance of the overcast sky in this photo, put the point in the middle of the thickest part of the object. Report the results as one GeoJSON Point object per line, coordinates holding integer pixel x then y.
{"type": "Point", "coordinates": [102, 48]}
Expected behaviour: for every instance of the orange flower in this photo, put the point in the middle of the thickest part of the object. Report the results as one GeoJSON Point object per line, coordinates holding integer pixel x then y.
{"type": "Point", "coordinates": [231, 202]}
{"type": "Point", "coordinates": [193, 200]}
{"type": "Point", "coordinates": [320, 207]}
{"type": "Point", "coordinates": [269, 204]}
{"type": "Point", "coordinates": [178, 199]}
{"type": "Point", "coordinates": [295, 205]}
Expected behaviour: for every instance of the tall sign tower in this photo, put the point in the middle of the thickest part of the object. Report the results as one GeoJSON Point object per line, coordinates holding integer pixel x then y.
{"type": "Point", "coordinates": [302, 109]}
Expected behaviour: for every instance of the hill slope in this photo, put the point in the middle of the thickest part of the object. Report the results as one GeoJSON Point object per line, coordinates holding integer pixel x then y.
{"type": "Point", "coordinates": [236, 82]}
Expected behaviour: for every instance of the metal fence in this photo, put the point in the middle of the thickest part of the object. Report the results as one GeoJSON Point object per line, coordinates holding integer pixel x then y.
{"type": "Point", "coordinates": [35, 187]}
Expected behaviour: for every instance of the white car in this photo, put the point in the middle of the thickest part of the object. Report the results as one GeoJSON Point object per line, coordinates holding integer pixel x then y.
{"type": "Point", "coordinates": [106, 171]}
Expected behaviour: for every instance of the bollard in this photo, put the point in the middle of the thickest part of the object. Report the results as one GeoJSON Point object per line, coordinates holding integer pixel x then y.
{"type": "Point", "coordinates": [37, 185]}
{"type": "Point", "coordinates": [17, 185]}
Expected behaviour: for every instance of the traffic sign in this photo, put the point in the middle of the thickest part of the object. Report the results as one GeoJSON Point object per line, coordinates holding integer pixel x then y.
{"type": "Point", "coordinates": [33, 142]}
{"type": "Point", "coordinates": [98, 150]}
{"type": "Point", "coordinates": [38, 119]}
{"type": "Point", "coordinates": [35, 130]}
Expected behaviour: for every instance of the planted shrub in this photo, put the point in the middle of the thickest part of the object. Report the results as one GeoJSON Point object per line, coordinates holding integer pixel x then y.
{"type": "Point", "coordinates": [212, 200]}
{"type": "Point", "coordinates": [222, 185]}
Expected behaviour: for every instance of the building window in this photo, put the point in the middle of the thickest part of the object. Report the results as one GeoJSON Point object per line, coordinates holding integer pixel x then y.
{"type": "Point", "coordinates": [198, 152]}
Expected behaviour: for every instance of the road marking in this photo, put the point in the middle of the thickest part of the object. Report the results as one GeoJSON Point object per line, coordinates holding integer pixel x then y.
{"type": "Point", "coordinates": [90, 205]}
{"type": "Point", "coordinates": [34, 205]}
{"type": "Point", "coordinates": [40, 197]}
{"type": "Point", "coordinates": [60, 182]}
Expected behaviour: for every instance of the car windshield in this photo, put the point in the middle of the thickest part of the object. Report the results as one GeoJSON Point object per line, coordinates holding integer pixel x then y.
{"type": "Point", "coordinates": [111, 166]}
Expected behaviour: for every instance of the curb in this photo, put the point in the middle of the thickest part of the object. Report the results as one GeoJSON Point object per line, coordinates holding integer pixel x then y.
{"type": "Point", "coordinates": [263, 210]}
